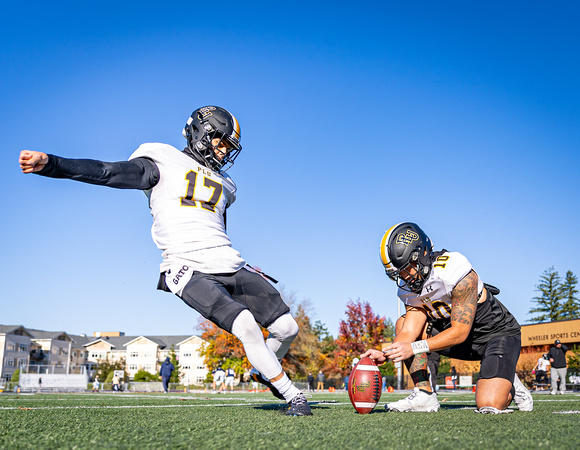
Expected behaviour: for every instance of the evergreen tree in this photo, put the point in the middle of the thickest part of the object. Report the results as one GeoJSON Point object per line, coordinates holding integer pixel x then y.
{"type": "Point", "coordinates": [549, 302]}
{"type": "Point", "coordinates": [571, 307]}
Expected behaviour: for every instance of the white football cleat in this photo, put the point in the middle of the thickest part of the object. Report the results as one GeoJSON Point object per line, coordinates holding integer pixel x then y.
{"type": "Point", "coordinates": [522, 398]}
{"type": "Point", "coordinates": [492, 410]}
{"type": "Point", "coordinates": [418, 401]}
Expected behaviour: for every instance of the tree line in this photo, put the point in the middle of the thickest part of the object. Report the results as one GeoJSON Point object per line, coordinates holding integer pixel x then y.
{"type": "Point", "coordinates": [557, 298]}
{"type": "Point", "coordinates": [314, 348]}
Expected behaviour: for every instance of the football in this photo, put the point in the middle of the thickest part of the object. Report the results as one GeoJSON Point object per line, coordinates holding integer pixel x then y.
{"type": "Point", "coordinates": [364, 386]}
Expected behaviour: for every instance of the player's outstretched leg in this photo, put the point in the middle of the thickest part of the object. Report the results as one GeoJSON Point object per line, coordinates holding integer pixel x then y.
{"type": "Point", "coordinates": [257, 376]}
{"type": "Point", "coordinates": [282, 332]}
{"type": "Point", "coordinates": [269, 369]}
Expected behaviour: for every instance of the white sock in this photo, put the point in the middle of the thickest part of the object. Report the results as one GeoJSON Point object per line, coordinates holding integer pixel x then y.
{"type": "Point", "coordinates": [286, 388]}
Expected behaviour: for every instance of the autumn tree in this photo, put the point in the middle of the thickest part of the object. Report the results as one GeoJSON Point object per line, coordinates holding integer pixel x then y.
{"type": "Point", "coordinates": [222, 348]}
{"type": "Point", "coordinates": [304, 353]}
{"type": "Point", "coordinates": [362, 329]}
{"type": "Point", "coordinates": [549, 302]}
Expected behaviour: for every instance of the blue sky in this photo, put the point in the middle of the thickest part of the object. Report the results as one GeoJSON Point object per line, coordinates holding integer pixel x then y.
{"type": "Point", "coordinates": [460, 116]}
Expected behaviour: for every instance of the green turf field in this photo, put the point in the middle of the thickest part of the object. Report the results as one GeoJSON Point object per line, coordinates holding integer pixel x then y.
{"type": "Point", "coordinates": [249, 420]}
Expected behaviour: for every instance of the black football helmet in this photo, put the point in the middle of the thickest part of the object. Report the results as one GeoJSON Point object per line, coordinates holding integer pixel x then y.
{"type": "Point", "coordinates": [206, 124]}
{"type": "Point", "coordinates": [406, 246]}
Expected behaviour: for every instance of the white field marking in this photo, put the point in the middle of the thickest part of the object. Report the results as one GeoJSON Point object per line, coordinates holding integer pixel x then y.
{"type": "Point", "coordinates": [566, 412]}
{"type": "Point", "coordinates": [368, 368]}
{"type": "Point", "coordinates": [100, 397]}
{"type": "Point", "coordinates": [138, 406]}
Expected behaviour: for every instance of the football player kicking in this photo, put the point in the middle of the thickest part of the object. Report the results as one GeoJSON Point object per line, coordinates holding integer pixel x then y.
{"type": "Point", "coordinates": [451, 311]}
{"type": "Point", "coordinates": [188, 193]}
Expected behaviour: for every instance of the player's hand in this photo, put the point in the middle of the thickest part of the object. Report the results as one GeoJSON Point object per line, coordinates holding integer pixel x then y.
{"type": "Point", "coordinates": [399, 351]}
{"type": "Point", "coordinates": [31, 161]}
{"type": "Point", "coordinates": [375, 355]}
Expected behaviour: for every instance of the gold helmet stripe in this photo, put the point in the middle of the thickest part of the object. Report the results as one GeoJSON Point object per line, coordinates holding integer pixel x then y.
{"type": "Point", "coordinates": [236, 128]}
{"type": "Point", "coordinates": [384, 255]}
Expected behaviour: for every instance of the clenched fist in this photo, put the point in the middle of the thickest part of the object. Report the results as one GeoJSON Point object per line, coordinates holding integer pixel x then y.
{"type": "Point", "coordinates": [31, 161]}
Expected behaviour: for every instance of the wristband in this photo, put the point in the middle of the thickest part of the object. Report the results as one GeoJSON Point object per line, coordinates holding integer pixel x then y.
{"type": "Point", "coordinates": [420, 347]}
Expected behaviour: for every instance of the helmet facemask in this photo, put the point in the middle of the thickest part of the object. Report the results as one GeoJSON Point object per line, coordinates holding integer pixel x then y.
{"type": "Point", "coordinates": [412, 275]}
{"type": "Point", "coordinates": [203, 128]}
{"type": "Point", "coordinates": [209, 150]}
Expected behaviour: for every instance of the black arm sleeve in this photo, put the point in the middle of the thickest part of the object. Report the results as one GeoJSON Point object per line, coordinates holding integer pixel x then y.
{"type": "Point", "coordinates": [138, 173]}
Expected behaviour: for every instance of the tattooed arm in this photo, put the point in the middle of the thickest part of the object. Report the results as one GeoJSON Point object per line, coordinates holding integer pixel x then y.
{"type": "Point", "coordinates": [463, 306]}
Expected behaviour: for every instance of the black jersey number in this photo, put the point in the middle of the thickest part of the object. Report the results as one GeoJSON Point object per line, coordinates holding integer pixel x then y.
{"type": "Point", "coordinates": [438, 310]}
{"type": "Point", "coordinates": [440, 261]}
{"type": "Point", "coordinates": [188, 200]}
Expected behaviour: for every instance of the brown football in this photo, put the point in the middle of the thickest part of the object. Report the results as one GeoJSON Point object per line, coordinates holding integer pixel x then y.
{"type": "Point", "coordinates": [364, 386]}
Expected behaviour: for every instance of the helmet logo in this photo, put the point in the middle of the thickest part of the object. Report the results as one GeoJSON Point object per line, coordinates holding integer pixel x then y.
{"type": "Point", "coordinates": [206, 112]}
{"type": "Point", "coordinates": [407, 238]}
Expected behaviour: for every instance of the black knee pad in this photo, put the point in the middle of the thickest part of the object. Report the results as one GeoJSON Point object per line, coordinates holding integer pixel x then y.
{"type": "Point", "coordinates": [500, 358]}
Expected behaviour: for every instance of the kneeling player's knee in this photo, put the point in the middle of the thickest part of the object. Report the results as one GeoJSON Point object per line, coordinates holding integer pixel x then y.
{"type": "Point", "coordinates": [284, 328]}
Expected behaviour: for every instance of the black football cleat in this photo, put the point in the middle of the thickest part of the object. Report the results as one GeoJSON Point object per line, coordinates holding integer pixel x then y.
{"type": "Point", "coordinates": [257, 376]}
{"type": "Point", "coordinates": [298, 406]}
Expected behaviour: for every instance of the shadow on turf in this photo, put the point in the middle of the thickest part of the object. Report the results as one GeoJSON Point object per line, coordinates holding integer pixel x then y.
{"type": "Point", "coordinates": [282, 407]}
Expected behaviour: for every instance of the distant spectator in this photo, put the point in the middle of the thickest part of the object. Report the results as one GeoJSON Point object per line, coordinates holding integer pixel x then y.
{"type": "Point", "coordinates": [320, 378]}
{"type": "Point", "coordinates": [557, 356]}
{"type": "Point", "coordinates": [166, 370]}
{"type": "Point", "coordinates": [541, 370]}
{"type": "Point", "coordinates": [310, 381]}
{"type": "Point", "coordinates": [218, 379]}
{"type": "Point", "coordinates": [39, 383]}
{"type": "Point", "coordinates": [96, 384]}
{"type": "Point", "coordinates": [454, 377]}
{"type": "Point", "coordinates": [230, 376]}
{"type": "Point", "coordinates": [116, 383]}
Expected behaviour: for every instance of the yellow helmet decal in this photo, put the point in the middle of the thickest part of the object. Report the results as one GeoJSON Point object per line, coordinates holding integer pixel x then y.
{"type": "Point", "coordinates": [407, 238]}
{"type": "Point", "coordinates": [384, 256]}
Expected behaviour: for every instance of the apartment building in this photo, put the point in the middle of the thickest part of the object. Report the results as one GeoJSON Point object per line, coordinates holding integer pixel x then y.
{"type": "Point", "coordinates": [44, 352]}
{"type": "Point", "coordinates": [148, 352]}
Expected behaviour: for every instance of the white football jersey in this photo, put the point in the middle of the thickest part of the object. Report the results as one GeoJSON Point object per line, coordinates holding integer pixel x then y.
{"type": "Point", "coordinates": [188, 205]}
{"type": "Point", "coordinates": [543, 364]}
{"type": "Point", "coordinates": [447, 270]}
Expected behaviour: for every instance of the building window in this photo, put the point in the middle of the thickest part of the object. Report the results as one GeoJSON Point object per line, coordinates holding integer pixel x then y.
{"type": "Point", "coordinates": [132, 367]}
{"type": "Point", "coordinates": [134, 354]}
{"type": "Point", "coordinates": [200, 367]}
{"type": "Point", "coordinates": [23, 347]}
{"type": "Point", "coordinates": [74, 353]}
{"type": "Point", "coordinates": [9, 362]}
{"type": "Point", "coordinates": [186, 354]}
{"type": "Point", "coordinates": [147, 367]}
{"type": "Point", "coordinates": [10, 346]}
{"type": "Point", "coordinates": [186, 367]}
{"type": "Point", "coordinates": [22, 362]}
{"type": "Point", "coordinates": [148, 355]}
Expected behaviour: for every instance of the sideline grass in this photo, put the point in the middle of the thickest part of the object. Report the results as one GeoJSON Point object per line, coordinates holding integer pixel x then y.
{"type": "Point", "coordinates": [254, 421]}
